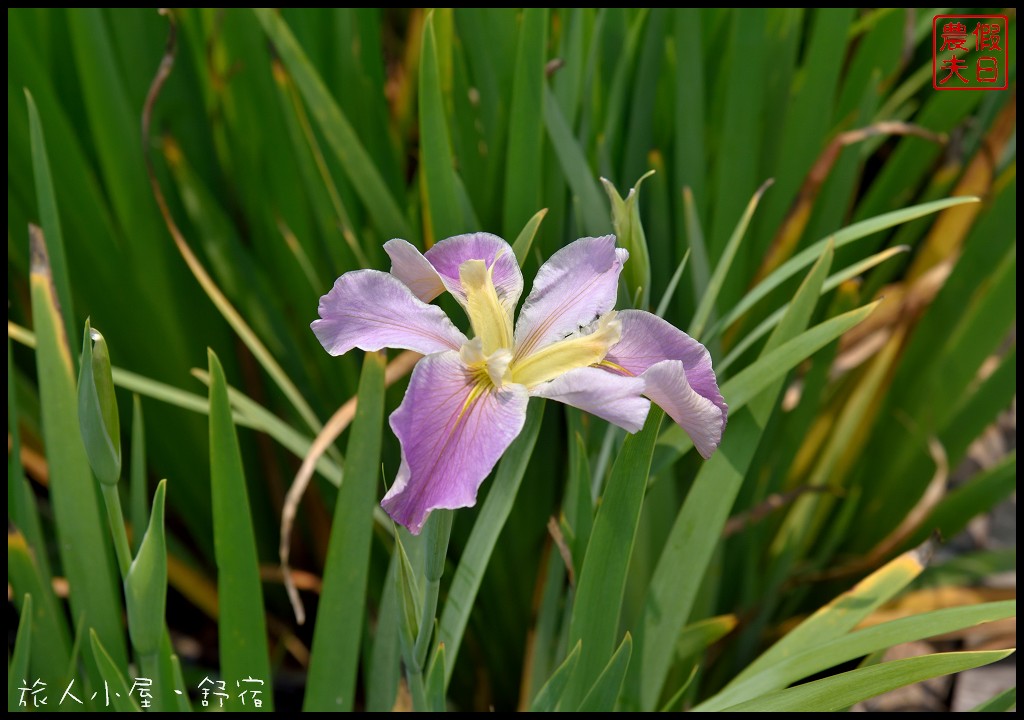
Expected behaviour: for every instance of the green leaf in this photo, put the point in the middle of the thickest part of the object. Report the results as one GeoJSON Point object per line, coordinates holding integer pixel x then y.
{"type": "Point", "coordinates": [698, 637]}
{"type": "Point", "coordinates": [521, 247]}
{"type": "Point", "coordinates": [97, 408]}
{"type": "Point", "coordinates": [575, 168]}
{"type": "Point", "coordinates": [437, 175]}
{"type": "Point", "coordinates": [357, 163]}
{"type": "Point", "coordinates": [698, 526]}
{"type": "Point", "coordinates": [840, 238]}
{"type": "Point", "coordinates": [145, 586]}
{"type": "Point", "coordinates": [435, 681]}
{"type": "Point", "coordinates": [706, 306]}
{"type": "Point", "coordinates": [551, 693]}
{"type": "Point", "coordinates": [243, 631]}
{"type": "Point", "coordinates": [523, 161]}
{"type": "Point", "coordinates": [334, 660]}
{"type": "Point", "coordinates": [49, 217]}
{"type": "Point", "coordinates": [841, 615]}
{"type": "Point", "coordinates": [116, 689]}
{"type": "Point", "coordinates": [602, 579]}
{"type": "Point", "coordinates": [138, 492]}
{"type": "Point", "coordinates": [484, 536]}
{"type": "Point", "coordinates": [1003, 702]}
{"type": "Point", "coordinates": [408, 598]}
{"type": "Point", "coordinates": [841, 691]}
{"type": "Point", "coordinates": [84, 548]}
{"type": "Point", "coordinates": [51, 651]}
{"type": "Point", "coordinates": [772, 365]}
{"type": "Point", "coordinates": [606, 689]}
{"type": "Point", "coordinates": [17, 669]}
{"type": "Point", "coordinates": [788, 669]}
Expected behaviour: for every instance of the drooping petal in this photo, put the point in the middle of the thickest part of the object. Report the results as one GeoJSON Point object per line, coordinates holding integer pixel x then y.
{"type": "Point", "coordinates": [647, 339]}
{"type": "Point", "coordinates": [615, 398]}
{"type": "Point", "coordinates": [410, 266]}
{"type": "Point", "coordinates": [666, 384]}
{"type": "Point", "coordinates": [371, 310]}
{"type": "Point", "coordinates": [448, 256]}
{"type": "Point", "coordinates": [453, 427]}
{"type": "Point", "coordinates": [575, 286]}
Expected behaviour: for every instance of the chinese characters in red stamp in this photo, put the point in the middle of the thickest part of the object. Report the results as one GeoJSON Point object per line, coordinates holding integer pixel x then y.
{"type": "Point", "coordinates": [970, 52]}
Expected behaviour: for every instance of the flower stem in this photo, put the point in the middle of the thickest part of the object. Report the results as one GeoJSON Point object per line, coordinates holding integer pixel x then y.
{"type": "Point", "coordinates": [116, 519]}
{"type": "Point", "coordinates": [439, 530]}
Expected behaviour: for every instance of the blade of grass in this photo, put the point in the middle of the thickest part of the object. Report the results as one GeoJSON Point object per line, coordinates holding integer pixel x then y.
{"type": "Point", "coordinates": [601, 582]}
{"type": "Point", "coordinates": [787, 670]}
{"type": "Point", "coordinates": [698, 526]}
{"type": "Point", "coordinates": [745, 385]}
{"type": "Point", "coordinates": [242, 631]}
{"type": "Point", "coordinates": [138, 492]}
{"type": "Point", "coordinates": [521, 247]}
{"type": "Point", "coordinates": [596, 220]}
{"type": "Point", "coordinates": [484, 536]}
{"type": "Point", "coordinates": [113, 679]}
{"type": "Point", "coordinates": [49, 217]}
{"type": "Point", "coordinates": [51, 650]}
{"type": "Point", "coordinates": [85, 548]}
{"type": "Point", "coordinates": [523, 161]}
{"type": "Point", "coordinates": [437, 175]}
{"type": "Point", "coordinates": [606, 689]}
{"type": "Point", "coordinates": [334, 659]}
{"type": "Point", "coordinates": [1003, 702]}
{"type": "Point", "coordinates": [831, 283]}
{"type": "Point", "coordinates": [549, 695]}
{"type": "Point", "coordinates": [706, 306]}
{"type": "Point", "coordinates": [841, 238]}
{"type": "Point", "coordinates": [358, 165]}
{"type": "Point", "coordinates": [846, 689]}
{"type": "Point", "coordinates": [18, 662]}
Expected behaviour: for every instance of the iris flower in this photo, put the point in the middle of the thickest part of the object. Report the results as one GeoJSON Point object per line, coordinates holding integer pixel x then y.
{"type": "Point", "coordinates": [467, 398]}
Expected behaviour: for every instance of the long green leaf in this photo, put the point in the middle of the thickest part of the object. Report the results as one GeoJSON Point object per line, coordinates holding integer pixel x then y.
{"type": "Point", "coordinates": [484, 536]}
{"type": "Point", "coordinates": [787, 670]}
{"type": "Point", "coordinates": [846, 689]}
{"type": "Point", "coordinates": [698, 526]}
{"type": "Point", "coordinates": [841, 615]}
{"type": "Point", "coordinates": [357, 163]}
{"type": "Point", "coordinates": [17, 669]}
{"type": "Point", "coordinates": [841, 238]}
{"type": "Point", "coordinates": [523, 162]}
{"type": "Point", "coordinates": [707, 303]}
{"type": "Point", "coordinates": [549, 695]}
{"type": "Point", "coordinates": [145, 585]}
{"type": "Point", "coordinates": [606, 689]}
{"type": "Point", "coordinates": [334, 660]}
{"type": "Point", "coordinates": [575, 168]}
{"type": "Point", "coordinates": [85, 548]}
{"type": "Point", "coordinates": [117, 693]}
{"type": "Point", "coordinates": [745, 385]}
{"type": "Point", "coordinates": [602, 580]}
{"type": "Point", "coordinates": [242, 631]}
{"type": "Point", "coordinates": [437, 175]}
{"type": "Point", "coordinates": [49, 217]}
{"type": "Point", "coordinates": [1003, 702]}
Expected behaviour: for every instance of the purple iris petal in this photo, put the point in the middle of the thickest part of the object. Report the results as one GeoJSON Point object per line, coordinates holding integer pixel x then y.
{"type": "Point", "coordinates": [666, 384]}
{"type": "Point", "coordinates": [576, 285]}
{"type": "Point", "coordinates": [646, 341]}
{"type": "Point", "coordinates": [452, 433]}
{"type": "Point", "coordinates": [448, 255]}
{"type": "Point", "coordinates": [615, 398]}
{"type": "Point", "coordinates": [409, 266]}
{"type": "Point", "coordinates": [371, 310]}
